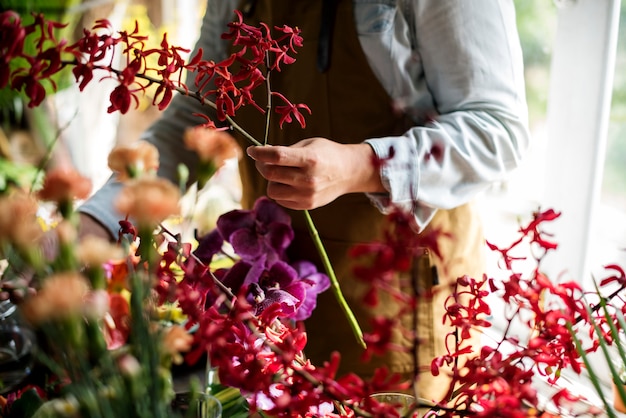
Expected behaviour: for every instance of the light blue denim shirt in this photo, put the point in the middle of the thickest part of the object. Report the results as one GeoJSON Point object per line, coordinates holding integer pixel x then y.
{"type": "Point", "coordinates": [459, 73]}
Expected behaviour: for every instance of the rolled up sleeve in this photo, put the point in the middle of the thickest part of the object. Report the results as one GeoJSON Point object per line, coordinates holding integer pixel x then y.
{"type": "Point", "coordinates": [476, 131]}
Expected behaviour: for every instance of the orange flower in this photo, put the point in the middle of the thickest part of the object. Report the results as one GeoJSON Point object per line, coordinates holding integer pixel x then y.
{"type": "Point", "coordinates": [94, 251]}
{"type": "Point", "coordinates": [18, 219]}
{"type": "Point", "coordinates": [118, 272]}
{"type": "Point", "coordinates": [66, 232]}
{"type": "Point", "coordinates": [64, 185]}
{"type": "Point", "coordinates": [61, 296]}
{"type": "Point", "coordinates": [128, 161]}
{"type": "Point", "coordinates": [175, 341]}
{"type": "Point", "coordinates": [149, 200]}
{"type": "Point", "coordinates": [117, 322]}
{"type": "Point", "coordinates": [211, 145]}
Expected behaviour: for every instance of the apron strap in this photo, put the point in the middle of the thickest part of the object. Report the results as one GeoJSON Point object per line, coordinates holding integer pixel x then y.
{"type": "Point", "coordinates": [329, 9]}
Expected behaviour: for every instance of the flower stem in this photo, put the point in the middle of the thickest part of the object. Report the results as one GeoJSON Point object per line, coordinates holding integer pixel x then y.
{"type": "Point", "coordinates": [592, 375]}
{"type": "Point", "coordinates": [334, 283]}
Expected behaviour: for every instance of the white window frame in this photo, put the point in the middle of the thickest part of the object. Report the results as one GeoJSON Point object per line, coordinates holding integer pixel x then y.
{"type": "Point", "coordinates": [579, 101]}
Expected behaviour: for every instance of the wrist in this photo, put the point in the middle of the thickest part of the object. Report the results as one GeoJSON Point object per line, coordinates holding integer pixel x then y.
{"type": "Point", "coordinates": [366, 170]}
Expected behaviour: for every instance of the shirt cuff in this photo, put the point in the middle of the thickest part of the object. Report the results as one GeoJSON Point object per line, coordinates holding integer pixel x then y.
{"type": "Point", "coordinates": [399, 174]}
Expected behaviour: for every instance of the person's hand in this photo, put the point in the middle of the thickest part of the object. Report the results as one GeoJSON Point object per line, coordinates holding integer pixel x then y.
{"type": "Point", "coordinates": [87, 225]}
{"type": "Point", "coordinates": [315, 171]}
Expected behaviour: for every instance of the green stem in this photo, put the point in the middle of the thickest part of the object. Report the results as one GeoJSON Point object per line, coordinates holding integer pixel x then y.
{"type": "Point", "coordinates": [334, 283]}
{"type": "Point", "coordinates": [615, 373]}
{"type": "Point", "coordinates": [592, 375]}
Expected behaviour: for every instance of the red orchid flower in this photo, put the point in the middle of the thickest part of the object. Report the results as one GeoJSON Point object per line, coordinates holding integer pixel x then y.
{"type": "Point", "coordinates": [289, 111]}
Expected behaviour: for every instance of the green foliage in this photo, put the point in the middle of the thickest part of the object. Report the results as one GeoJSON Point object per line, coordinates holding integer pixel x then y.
{"type": "Point", "coordinates": [16, 174]}
{"type": "Point", "coordinates": [49, 7]}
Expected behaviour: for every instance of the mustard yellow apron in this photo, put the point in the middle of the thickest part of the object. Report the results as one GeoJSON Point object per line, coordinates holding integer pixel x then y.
{"type": "Point", "coordinates": [348, 105]}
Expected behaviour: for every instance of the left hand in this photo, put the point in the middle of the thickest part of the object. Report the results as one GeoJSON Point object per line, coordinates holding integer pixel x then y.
{"type": "Point", "coordinates": [315, 171]}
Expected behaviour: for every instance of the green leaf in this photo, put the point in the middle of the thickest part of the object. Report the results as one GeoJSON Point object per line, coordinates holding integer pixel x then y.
{"type": "Point", "coordinates": [16, 174]}
{"type": "Point", "coordinates": [26, 405]}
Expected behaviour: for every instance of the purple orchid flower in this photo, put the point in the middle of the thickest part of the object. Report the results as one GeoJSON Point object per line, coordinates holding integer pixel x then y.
{"type": "Point", "coordinates": [260, 237]}
{"type": "Point", "coordinates": [318, 283]}
{"type": "Point", "coordinates": [263, 231]}
{"type": "Point", "coordinates": [295, 288]}
{"type": "Point", "coordinates": [281, 284]}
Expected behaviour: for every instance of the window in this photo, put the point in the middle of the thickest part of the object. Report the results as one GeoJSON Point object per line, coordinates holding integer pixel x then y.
{"type": "Point", "coordinates": [578, 161]}
{"type": "Point", "coordinates": [609, 229]}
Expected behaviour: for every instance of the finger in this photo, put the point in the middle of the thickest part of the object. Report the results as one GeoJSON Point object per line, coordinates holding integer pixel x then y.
{"type": "Point", "coordinates": [292, 204]}
{"type": "Point", "coordinates": [279, 174]}
{"type": "Point", "coordinates": [281, 191]}
{"type": "Point", "coordinates": [290, 197]}
{"type": "Point", "coordinates": [278, 155]}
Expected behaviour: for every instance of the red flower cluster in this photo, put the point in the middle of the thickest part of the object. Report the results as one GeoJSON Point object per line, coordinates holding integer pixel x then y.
{"type": "Point", "coordinates": [260, 352]}
{"type": "Point", "coordinates": [33, 69]}
{"type": "Point", "coordinates": [259, 53]}
{"type": "Point", "coordinates": [217, 86]}
{"type": "Point", "coordinates": [497, 381]}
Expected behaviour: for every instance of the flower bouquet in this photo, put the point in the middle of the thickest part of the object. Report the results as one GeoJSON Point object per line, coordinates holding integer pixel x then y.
{"type": "Point", "coordinates": [113, 318]}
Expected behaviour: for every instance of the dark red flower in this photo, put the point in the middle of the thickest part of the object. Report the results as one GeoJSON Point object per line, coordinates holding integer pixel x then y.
{"type": "Point", "coordinates": [289, 111]}
{"type": "Point", "coordinates": [120, 99]}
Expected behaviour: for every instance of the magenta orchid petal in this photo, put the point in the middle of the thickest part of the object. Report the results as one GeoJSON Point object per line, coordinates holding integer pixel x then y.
{"type": "Point", "coordinates": [266, 229]}
{"type": "Point", "coordinates": [235, 220]}
{"type": "Point", "coordinates": [299, 290]}
{"type": "Point", "coordinates": [209, 245]}
{"type": "Point", "coordinates": [280, 274]}
{"type": "Point", "coordinates": [269, 211]}
{"type": "Point", "coordinates": [256, 271]}
{"type": "Point", "coordinates": [288, 302]}
{"type": "Point", "coordinates": [308, 271]}
{"type": "Point", "coordinates": [318, 283]}
{"type": "Point", "coordinates": [246, 244]}
{"type": "Point", "coordinates": [285, 277]}
{"type": "Point", "coordinates": [235, 276]}
{"type": "Point", "coordinates": [306, 308]}
{"type": "Point", "coordinates": [279, 236]}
